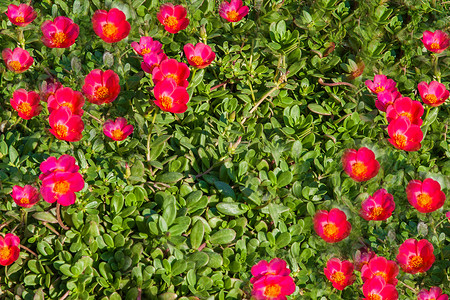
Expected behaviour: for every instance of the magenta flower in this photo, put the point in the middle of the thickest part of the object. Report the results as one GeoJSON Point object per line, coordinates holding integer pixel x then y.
{"type": "Point", "coordinates": [61, 187]}
{"type": "Point", "coordinates": [199, 56]}
{"type": "Point", "coordinates": [65, 163]}
{"type": "Point", "coordinates": [152, 61]}
{"type": "Point", "coordinates": [377, 289]}
{"type": "Point", "coordinates": [26, 196]}
{"type": "Point", "coordinates": [60, 33]}
{"type": "Point", "coordinates": [233, 11]}
{"type": "Point", "coordinates": [277, 266]}
{"type": "Point", "coordinates": [386, 98]}
{"type": "Point", "coordinates": [9, 249]}
{"type": "Point", "coordinates": [378, 207]}
{"type": "Point", "coordinates": [436, 41]}
{"type": "Point", "coordinates": [405, 107]}
{"type": "Point", "coordinates": [66, 97]}
{"type": "Point", "coordinates": [27, 104]}
{"type": "Point", "coordinates": [380, 84]}
{"type": "Point", "coordinates": [147, 45]}
{"type": "Point", "coordinates": [435, 293]}
{"type": "Point", "coordinates": [111, 26]}
{"type": "Point", "coordinates": [170, 97]}
{"type": "Point", "coordinates": [433, 94]}
{"type": "Point", "coordinates": [340, 273]}
{"type": "Point", "coordinates": [273, 287]}
{"type": "Point", "coordinates": [425, 196]}
{"type": "Point", "coordinates": [18, 60]}
{"type": "Point", "coordinates": [360, 164]}
{"type": "Point", "coordinates": [415, 256]}
{"type": "Point", "coordinates": [101, 87]}
{"type": "Point", "coordinates": [332, 226]}
{"type": "Point", "coordinates": [380, 266]}
{"type": "Point", "coordinates": [21, 15]}
{"type": "Point", "coordinates": [49, 88]}
{"type": "Point", "coordinates": [171, 68]}
{"type": "Point", "coordinates": [173, 17]}
{"type": "Point", "coordinates": [404, 135]}
{"type": "Point", "coordinates": [117, 130]}
{"type": "Point", "coordinates": [362, 258]}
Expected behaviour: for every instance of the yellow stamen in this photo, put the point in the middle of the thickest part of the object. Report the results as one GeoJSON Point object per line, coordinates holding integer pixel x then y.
{"type": "Point", "coordinates": [24, 108]}
{"type": "Point", "coordinates": [379, 89]}
{"type": "Point", "coordinates": [359, 169]}
{"type": "Point", "coordinates": [431, 98]}
{"type": "Point", "coordinates": [171, 22]}
{"type": "Point", "coordinates": [61, 130]}
{"type": "Point", "coordinates": [400, 140]}
{"type": "Point", "coordinates": [20, 19]}
{"type": "Point", "coordinates": [59, 38]}
{"type": "Point", "coordinates": [175, 77]}
{"type": "Point", "coordinates": [272, 290]}
{"type": "Point", "coordinates": [117, 134]}
{"type": "Point", "coordinates": [110, 30]}
{"type": "Point", "coordinates": [145, 51]}
{"type": "Point", "coordinates": [166, 102]}
{"type": "Point", "coordinates": [24, 200]}
{"type": "Point", "coordinates": [406, 114]}
{"type": "Point", "coordinates": [330, 230]}
{"type": "Point", "coordinates": [374, 297]}
{"type": "Point", "coordinates": [197, 60]}
{"type": "Point", "coordinates": [61, 187]}
{"type": "Point", "coordinates": [232, 16]}
{"type": "Point", "coordinates": [376, 211]}
{"type": "Point", "coordinates": [382, 274]}
{"type": "Point", "coordinates": [416, 262]}
{"type": "Point", "coordinates": [435, 46]}
{"type": "Point", "coordinates": [17, 66]}
{"type": "Point", "coordinates": [69, 105]}
{"type": "Point", "coordinates": [424, 200]}
{"type": "Point", "coordinates": [338, 277]}
{"type": "Point", "coordinates": [5, 252]}
{"type": "Point", "coordinates": [101, 93]}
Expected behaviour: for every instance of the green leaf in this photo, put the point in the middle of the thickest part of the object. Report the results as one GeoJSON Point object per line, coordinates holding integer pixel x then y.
{"type": "Point", "coordinates": [223, 236]}
{"type": "Point", "coordinates": [225, 189]}
{"type": "Point", "coordinates": [283, 240]}
{"type": "Point", "coordinates": [231, 208]}
{"type": "Point", "coordinates": [196, 236]}
{"type": "Point", "coordinates": [117, 202]}
{"type": "Point", "coordinates": [316, 108]}
{"type": "Point", "coordinates": [179, 267]}
{"type": "Point", "coordinates": [284, 179]}
{"type": "Point", "coordinates": [170, 177]}
{"type": "Point", "coordinates": [45, 216]}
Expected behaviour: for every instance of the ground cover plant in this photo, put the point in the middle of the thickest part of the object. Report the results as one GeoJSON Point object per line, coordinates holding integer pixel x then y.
{"type": "Point", "coordinates": [224, 150]}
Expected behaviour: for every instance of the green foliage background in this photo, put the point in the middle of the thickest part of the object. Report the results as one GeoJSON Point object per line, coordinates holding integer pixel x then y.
{"type": "Point", "coordinates": [225, 186]}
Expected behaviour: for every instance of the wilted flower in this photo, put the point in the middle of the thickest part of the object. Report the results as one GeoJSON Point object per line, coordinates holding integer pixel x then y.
{"type": "Point", "coordinates": [433, 94]}
{"type": "Point", "coordinates": [66, 97]}
{"type": "Point", "coordinates": [380, 84]}
{"type": "Point", "coordinates": [425, 196]}
{"type": "Point", "coordinates": [18, 60]}
{"type": "Point", "coordinates": [111, 26]}
{"type": "Point", "coordinates": [405, 107]}
{"type": "Point", "coordinates": [101, 87]}
{"type": "Point", "coordinates": [26, 196]}
{"type": "Point", "coordinates": [360, 164]}
{"type": "Point", "coordinates": [170, 97]}
{"type": "Point", "coordinates": [435, 293]}
{"type": "Point", "coordinates": [386, 98]}
{"type": "Point", "coordinates": [378, 207]}
{"type": "Point", "coordinates": [171, 68]}
{"type": "Point", "coordinates": [9, 250]}
{"type": "Point", "coordinates": [415, 256]}
{"type": "Point", "coordinates": [147, 45]}
{"type": "Point", "coordinates": [404, 135]}
{"type": "Point", "coordinates": [377, 288]}
{"type": "Point", "coordinates": [152, 61]}
{"type": "Point", "coordinates": [65, 125]}
{"type": "Point", "coordinates": [332, 226]}
{"type": "Point", "coordinates": [21, 15]}
{"type": "Point", "coordinates": [48, 88]}
{"type": "Point", "coordinates": [60, 33]}
{"type": "Point", "coordinates": [380, 266]}
{"type": "Point", "coordinates": [340, 273]}
{"type": "Point", "coordinates": [117, 130]}
{"type": "Point", "coordinates": [199, 56]}
{"type": "Point", "coordinates": [233, 11]}
{"type": "Point", "coordinates": [436, 41]}
{"type": "Point", "coordinates": [173, 17]}
{"type": "Point", "coordinates": [26, 103]}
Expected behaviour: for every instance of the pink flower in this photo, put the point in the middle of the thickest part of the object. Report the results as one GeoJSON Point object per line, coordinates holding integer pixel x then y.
{"type": "Point", "coordinates": [65, 125]}
{"type": "Point", "coordinates": [377, 288]}
{"type": "Point", "coordinates": [435, 293]}
{"type": "Point", "coordinates": [147, 45]}
{"type": "Point", "coordinates": [379, 207]}
{"type": "Point", "coordinates": [170, 97]}
{"type": "Point", "coordinates": [26, 103]}
{"type": "Point", "coordinates": [277, 266]}
{"type": "Point", "coordinates": [340, 273]}
{"type": "Point", "coordinates": [433, 94]}
{"type": "Point", "coordinates": [380, 266]}
{"type": "Point", "coordinates": [436, 41]}
{"type": "Point", "coordinates": [111, 26]}
{"type": "Point", "coordinates": [199, 56]}
{"type": "Point", "coordinates": [66, 97]}
{"type": "Point", "coordinates": [173, 17]}
{"type": "Point", "coordinates": [425, 196]}
{"type": "Point", "coordinates": [405, 107]}
{"type": "Point", "coordinates": [26, 196]}
{"type": "Point", "coordinates": [118, 130]}
{"type": "Point", "coordinates": [362, 258]}
{"type": "Point", "coordinates": [332, 226]}
{"type": "Point", "coordinates": [18, 60]}
{"type": "Point", "coordinates": [360, 164]}
{"type": "Point", "coordinates": [152, 61]}
{"type": "Point", "coordinates": [61, 187]}
{"type": "Point", "coordinates": [448, 215]}
{"type": "Point", "coordinates": [9, 250]}
{"type": "Point", "coordinates": [273, 287]}
{"type": "Point", "coordinates": [233, 11]}
{"type": "Point", "coordinates": [386, 98]}
{"type": "Point", "coordinates": [48, 88]}
{"type": "Point", "coordinates": [380, 84]}
{"type": "Point", "coordinates": [21, 15]}
{"type": "Point", "coordinates": [415, 256]}
{"type": "Point", "coordinates": [101, 87]}
{"type": "Point", "coordinates": [171, 68]}
{"type": "Point", "coordinates": [60, 33]}
{"type": "Point", "coordinates": [404, 135]}
{"type": "Point", "coordinates": [65, 163]}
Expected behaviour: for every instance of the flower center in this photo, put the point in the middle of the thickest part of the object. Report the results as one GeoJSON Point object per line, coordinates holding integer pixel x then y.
{"type": "Point", "coordinates": [59, 38]}
{"type": "Point", "coordinates": [20, 19]}
{"type": "Point", "coordinates": [374, 297]}
{"type": "Point", "coordinates": [61, 187]}
{"type": "Point", "coordinates": [232, 16]}
{"type": "Point", "coordinates": [101, 93]}
{"type": "Point", "coordinates": [171, 22]}
{"type": "Point", "coordinates": [197, 60]}
{"type": "Point", "coordinates": [431, 98]}
{"type": "Point", "coordinates": [145, 51]}
{"type": "Point", "coordinates": [359, 169]}
{"type": "Point", "coordinates": [175, 77]}
{"type": "Point", "coordinates": [424, 200]}
{"type": "Point", "coordinates": [166, 102]}
{"type": "Point", "coordinates": [407, 114]}
{"type": "Point", "coordinates": [382, 274]}
{"type": "Point", "coordinates": [272, 290]}
{"type": "Point", "coordinates": [24, 200]}
{"type": "Point", "coordinates": [5, 252]}
{"type": "Point", "coordinates": [24, 108]}
{"type": "Point", "coordinates": [416, 261]}
{"type": "Point", "coordinates": [117, 134]}
{"type": "Point", "coordinates": [15, 65]}
{"type": "Point", "coordinates": [110, 30]}
{"type": "Point", "coordinates": [435, 46]}
{"type": "Point", "coordinates": [376, 211]}
{"type": "Point", "coordinates": [69, 105]}
{"type": "Point", "coordinates": [338, 277]}
{"type": "Point", "coordinates": [399, 140]}
{"type": "Point", "coordinates": [61, 130]}
{"type": "Point", "coordinates": [379, 89]}
{"type": "Point", "coordinates": [330, 230]}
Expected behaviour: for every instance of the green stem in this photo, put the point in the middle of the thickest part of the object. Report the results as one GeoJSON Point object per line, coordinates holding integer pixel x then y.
{"type": "Point", "coordinates": [193, 74]}
{"type": "Point", "coordinates": [155, 112]}
{"type": "Point", "coordinates": [428, 111]}
{"type": "Point", "coordinates": [434, 63]}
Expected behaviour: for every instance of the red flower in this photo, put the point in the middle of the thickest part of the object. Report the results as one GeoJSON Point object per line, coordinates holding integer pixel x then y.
{"type": "Point", "coordinates": [66, 97]}
{"type": "Point", "coordinates": [415, 256]}
{"type": "Point", "coordinates": [65, 125]}
{"type": "Point", "coordinates": [404, 106]}
{"type": "Point", "coordinates": [101, 87]}
{"type": "Point", "coordinates": [404, 135]}
{"type": "Point", "coordinates": [147, 45]}
{"type": "Point", "coordinates": [117, 130]}
{"type": "Point", "coordinates": [380, 84]}
{"type": "Point", "coordinates": [277, 266]}
{"type": "Point", "coordinates": [233, 11]}
{"type": "Point", "coordinates": [361, 164]}
{"type": "Point", "coordinates": [21, 15]}
{"type": "Point", "coordinates": [26, 103]}
{"type": "Point", "coordinates": [433, 94]}
{"type": "Point", "coordinates": [152, 61]}
{"type": "Point", "coordinates": [380, 266]}
{"type": "Point", "coordinates": [386, 98]}
{"type": "Point", "coordinates": [61, 187]}
{"type": "Point", "coordinates": [448, 215]}
{"type": "Point", "coordinates": [379, 207]}
{"type": "Point", "coordinates": [170, 97]}
{"type": "Point", "coordinates": [435, 41]}
{"type": "Point", "coordinates": [9, 250]}
{"type": "Point", "coordinates": [332, 226]}
{"type": "Point", "coordinates": [65, 163]}
{"type": "Point", "coordinates": [425, 196]}
{"type": "Point", "coordinates": [199, 56]}
{"type": "Point", "coordinates": [60, 33]}
{"type": "Point", "coordinates": [362, 258]}
{"type": "Point", "coordinates": [173, 17]}
{"type": "Point", "coordinates": [435, 293]}
{"type": "Point", "coordinates": [171, 68]}
{"type": "Point", "coordinates": [377, 289]}
{"type": "Point", "coordinates": [273, 287]}
{"type": "Point", "coordinates": [111, 26]}
{"type": "Point", "coordinates": [48, 88]}
{"type": "Point", "coordinates": [340, 273]}
{"type": "Point", "coordinates": [18, 60]}
{"type": "Point", "coordinates": [26, 196]}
